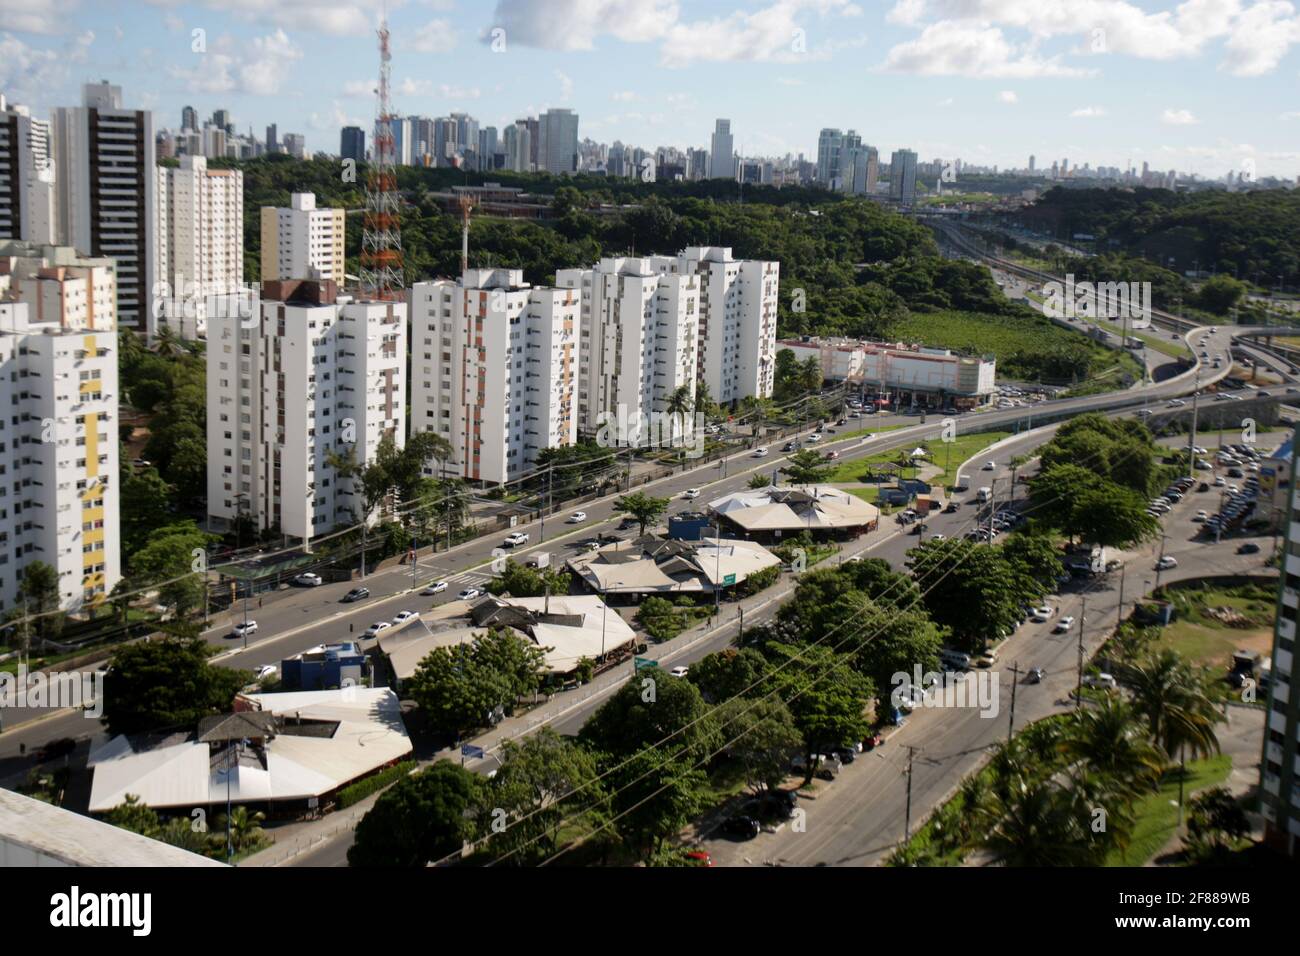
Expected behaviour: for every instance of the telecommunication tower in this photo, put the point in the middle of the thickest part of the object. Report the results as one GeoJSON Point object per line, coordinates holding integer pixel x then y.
{"type": "Point", "coordinates": [381, 236]}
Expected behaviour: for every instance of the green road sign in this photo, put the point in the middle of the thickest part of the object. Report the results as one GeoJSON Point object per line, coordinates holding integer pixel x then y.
{"type": "Point", "coordinates": [729, 580]}
{"type": "Point", "coordinates": [643, 663]}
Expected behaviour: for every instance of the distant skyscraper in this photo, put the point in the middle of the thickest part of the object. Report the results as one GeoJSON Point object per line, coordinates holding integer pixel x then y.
{"type": "Point", "coordinates": [102, 150]}
{"type": "Point", "coordinates": [27, 188]}
{"type": "Point", "coordinates": [295, 145]}
{"type": "Point", "coordinates": [902, 175]}
{"type": "Point", "coordinates": [558, 150]}
{"type": "Point", "coordinates": [832, 145]}
{"type": "Point", "coordinates": [190, 118]}
{"type": "Point", "coordinates": [272, 139]}
{"type": "Point", "coordinates": [722, 152]}
{"type": "Point", "coordinates": [518, 147]}
{"type": "Point", "coordinates": [352, 143]}
{"type": "Point", "coordinates": [1031, 163]}
{"type": "Point", "coordinates": [300, 241]}
{"type": "Point", "coordinates": [221, 118]}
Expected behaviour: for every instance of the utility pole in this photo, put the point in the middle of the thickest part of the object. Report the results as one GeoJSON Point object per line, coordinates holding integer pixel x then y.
{"type": "Point", "coordinates": [1161, 560]}
{"type": "Point", "coordinates": [546, 503]}
{"type": "Point", "coordinates": [1191, 438]}
{"type": "Point", "coordinates": [907, 820]}
{"type": "Point", "coordinates": [1078, 696]}
{"type": "Point", "coordinates": [1015, 679]}
{"type": "Point", "coordinates": [740, 637]}
{"type": "Point", "coordinates": [1123, 571]}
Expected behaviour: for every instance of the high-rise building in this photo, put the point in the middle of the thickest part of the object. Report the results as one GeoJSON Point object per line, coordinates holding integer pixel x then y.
{"type": "Point", "coordinates": [221, 120]}
{"type": "Point", "coordinates": [60, 458]}
{"type": "Point", "coordinates": [27, 187]}
{"type": "Point", "coordinates": [1279, 784]}
{"type": "Point", "coordinates": [494, 369]}
{"type": "Point", "coordinates": [272, 139]}
{"type": "Point", "coordinates": [318, 373]}
{"type": "Point", "coordinates": [518, 147]}
{"type": "Point", "coordinates": [722, 152]}
{"type": "Point", "coordinates": [859, 169]}
{"type": "Point", "coordinates": [558, 149]}
{"type": "Point", "coordinates": [59, 285]}
{"type": "Point", "coordinates": [487, 147]}
{"type": "Point", "coordinates": [200, 242]}
{"type": "Point", "coordinates": [189, 118]}
{"type": "Point", "coordinates": [300, 241]}
{"type": "Point", "coordinates": [1031, 162]}
{"type": "Point", "coordinates": [833, 148]}
{"type": "Point", "coordinates": [902, 175]}
{"type": "Point", "coordinates": [107, 191]}
{"type": "Point", "coordinates": [352, 144]}
{"type": "Point", "coordinates": [639, 334]}
{"type": "Point", "coordinates": [295, 144]}
{"type": "Point", "coordinates": [736, 351]}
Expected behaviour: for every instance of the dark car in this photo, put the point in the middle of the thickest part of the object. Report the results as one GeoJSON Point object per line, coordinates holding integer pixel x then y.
{"type": "Point", "coordinates": [1034, 675]}
{"type": "Point", "coordinates": [775, 804]}
{"type": "Point", "coordinates": [746, 828]}
{"type": "Point", "coordinates": [846, 754]}
{"type": "Point", "coordinates": [356, 594]}
{"type": "Point", "coordinates": [1248, 548]}
{"type": "Point", "coordinates": [55, 749]}
{"type": "Point", "coordinates": [953, 506]}
{"type": "Point", "coordinates": [1236, 473]}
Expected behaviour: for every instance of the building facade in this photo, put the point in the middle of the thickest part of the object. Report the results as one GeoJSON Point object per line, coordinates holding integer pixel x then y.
{"type": "Point", "coordinates": [557, 151]}
{"type": "Point", "coordinates": [106, 188]}
{"type": "Point", "coordinates": [60, 286]}
{"type": "Point", "coordinates": [639, 344]}
{"type": "Point", "coordinates": [58, 456]}
{"type": "Point", "coordinates": [300, 241]}
{"type": "Point", "coordinates": [27, 189]}
{"type": "Point", "coordinates": [313, 373]}
{"type": "Point", "coordinates": [722, 152]}
{"type": "Point", "coordinates": [200, 243]}
{"type": "Point", "coordinates": [352, 144]}
{"type": "Point", "coordinates": [494, 364]}
{"type": "Point", "coordinates": [902, 175]}
{"type": "Point", "coordinates": [1280, 767]}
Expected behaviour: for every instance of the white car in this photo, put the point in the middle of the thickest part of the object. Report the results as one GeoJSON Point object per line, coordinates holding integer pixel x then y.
{"type": "Point", "coordinates": [578, 517]}
{"type": "Point", "coordinates": [1064, 624]}
{"type": "Point", "coordinates": [679, 671]}
{"type": "Point", "coordinates": [1220, 481]}
{"type": "Point", "coordinates": [1101, 681]}
{"type": "Point", "coordinates": [437, 587]}
{"type": "Point", "coordinates": [938, 537]}
{"type": "Point", "coordinates": [267, 670]}
{"type": "Point", "coordinates": [1041, 614]}
{"type": "Point", "coordinates": [990, 466]}
{"type": "Point", "coordinates": [813, 438]}
{"type": "Point", "coordinates": [375, 628]}
{"type": "Point", "coordinates": [308, 580]}
{"type": "Point", "coordinates": [1167, 562]}
{"type": "Point", "coordinates": [516, 539]}
{"type": "Point", "coordinates": [760, 452]}
{"type": "Point", "coordinates": [401, 617]}
{"type": "Point", "coordinates": [244, 628]}
{"type": "Point", "coordinates": [1201, 516]}
{"type": "Point", "coordinates": [470, 593]}
{"type": "Point", "coordinates": [691, 494]}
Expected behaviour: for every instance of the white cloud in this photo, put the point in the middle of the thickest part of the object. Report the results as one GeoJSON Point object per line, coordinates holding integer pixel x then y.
{"type": "Point", "coordinates": [259, 67]}
{"type": "Point", "coordinates": [964, 48]}
{"type": "Point", "coordinates": [1089, 112]}
{"type": "Point", "coordinates": [29, 75]}
{"type": "Point", "coordinates": [1261, 37]}
{"type": "Point", "coordinates": [436, 36]}
{"type": "Point", "coordinates": [1008, 96]}
{"type": "Point", "coordinates": [566, 86]}
{"type": "Point", "coordinates": [36, 16]}
{"type": "Point", "coordinates": [343, 18]}
{"type": "Point", "coordinates": [575, 24]}
{"type": "Point", "coordinates": [624, 96]}
{"type": "Point", "coordinates": [1178, 118]}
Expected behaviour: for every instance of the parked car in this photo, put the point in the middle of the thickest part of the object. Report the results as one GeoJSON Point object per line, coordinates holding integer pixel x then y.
{"type": "Point", "coordinates": [267, 670]}
{"type": "Point", "coordinates": [1248, 548]}
{"type": "Point", "coordinates": [1042, 614]}
{"type": "Point", "coordinates": [374, 629]}
{"type": "Point", "coordinates": [436, 587]}
{"type": "Point", "coordinates": [1100, 681]}
{"type": "Point", "coordinates": [516, 539]}
{"type": "Point", "coordinates": [746, 828]}
{"type": "Point", "coordinates": [356, 594]}
{"type": "Point", "coordinates": [308, 580]}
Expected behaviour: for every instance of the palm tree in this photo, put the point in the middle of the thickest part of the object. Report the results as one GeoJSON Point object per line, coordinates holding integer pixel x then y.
{"type": "Point", "coordinates": [245, 827]}
{"type": "Point", "coordinates": [805, 468]}
{"type": "Point", "coordinates": [680, 404]}
{"type": "Point", "coordinates": [704, 402]}
{"type": "Point", "coordinates": [1174, 699]}
{"type": "Point", "coordinates": [167, 342]}
{"type": "Point", "coordinates": [1108, 740]}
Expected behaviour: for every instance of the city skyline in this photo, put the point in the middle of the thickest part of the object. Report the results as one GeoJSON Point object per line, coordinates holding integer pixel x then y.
{"type": "Point", "coordinates": [1200, 87]}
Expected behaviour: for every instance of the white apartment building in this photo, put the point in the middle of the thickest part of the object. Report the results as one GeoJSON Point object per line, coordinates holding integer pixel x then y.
{"type": "Point", "coordinates": [60, 286]}
{"type": "Point", "coordinates": [301, 241]}
{"type": "Point", "coordinates": [27, 209]}
{"type": "Point", "coordinates": [912, 373]}
{"type": "Point", "coordinates": [58, 456]}
{"type": "Point", "coordinates": [639, 344]}
{"type": "Point", "coordinates": [557, 151]}
{"type": "Point", "coordinates": [311, 372]}
{"type": "Point", "coordinates": [200, 242]}
{"type": "Point", "coordinates": [107, 186]}
{"type": "Point", "coordinates": [494, 370]}
{"type": "Point", "coordinates": [1279, 788]}
{"type": "Point", "coordinates": [736, 351]}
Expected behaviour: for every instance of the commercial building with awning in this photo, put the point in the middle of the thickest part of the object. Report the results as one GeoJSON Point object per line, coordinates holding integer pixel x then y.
{"type": "Point", "coordinates": [666, 566]}
{"type": "Point", "coordinates": [777, 512]}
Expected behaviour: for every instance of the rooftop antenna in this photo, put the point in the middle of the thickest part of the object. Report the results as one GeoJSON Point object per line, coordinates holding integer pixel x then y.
{"type": "Point", "coordinates": [381, 236]}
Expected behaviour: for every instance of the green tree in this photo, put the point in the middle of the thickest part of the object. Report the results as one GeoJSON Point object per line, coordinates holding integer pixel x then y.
{"type": "Point", "coordinates": [1221, 293]}
{"type": "Point", "coordinates": [133, 815]}
{"type": "Point", "coordinates": [168, 561]}
{"type": "Point", "coordinates": [654, 795]}
{"type": "Point", "coordinates": [518, 580]}
{"type": "Point", "coordinates": [971, 589]}
{"type": "Point", "coordinates": [421, 819]}
{"type": "Point", "coordinates": [761, 736]}
{"type": "Point", "coordinates": [1109, 738]}
{"type": "Point", "coordinates": [245, 827]}
{"type": "Point", "coordinates": [653, 710]}
{"type": "Point", "coordinates": [1034, 557]}
{"type": "Point", "coordinates": [681, 402]}
{"type": "Point", "coordinates": [1215, 824]}
{"type": "Point", "coordinates": [642, 508]}
{"type": "Point", "coordinates": [827, 697]}
{"type": "Point", "coordinates": [38, 594]}
{"type": "Point", "coordinates": [1175, 700]}
{"type": "Point", "coordinates": [730, 673]}
{"type": "Point", "coordinates": [458, 688]}
{"type": "Point", "coordinates": [166, 684]}
{"type": "Point", "coordinates": [806, 468]}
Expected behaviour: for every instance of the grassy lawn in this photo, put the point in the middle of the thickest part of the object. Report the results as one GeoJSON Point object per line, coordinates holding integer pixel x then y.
{"type": "Point", "coordinates": [1202, 638]}
{"type": "Point", "coordinates": [1157, 815]}
{"type": "Point", "coordinates": [948, 456]}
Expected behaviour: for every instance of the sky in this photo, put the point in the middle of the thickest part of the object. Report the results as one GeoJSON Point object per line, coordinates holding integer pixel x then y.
{"type": "Point", "coordinates": [1205, 86]}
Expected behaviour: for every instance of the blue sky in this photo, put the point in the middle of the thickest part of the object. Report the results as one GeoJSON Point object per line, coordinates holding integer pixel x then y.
{"type": "Point", "coordinates": [1201, 86]}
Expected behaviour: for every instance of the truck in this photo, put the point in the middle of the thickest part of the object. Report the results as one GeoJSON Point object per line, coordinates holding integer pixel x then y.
{"type": "Point", "coordinates": [984, 495]}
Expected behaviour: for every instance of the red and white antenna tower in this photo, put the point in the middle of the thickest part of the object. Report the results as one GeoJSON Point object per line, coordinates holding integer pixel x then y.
{"type": "Point", "coordinates": [381, 236]}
